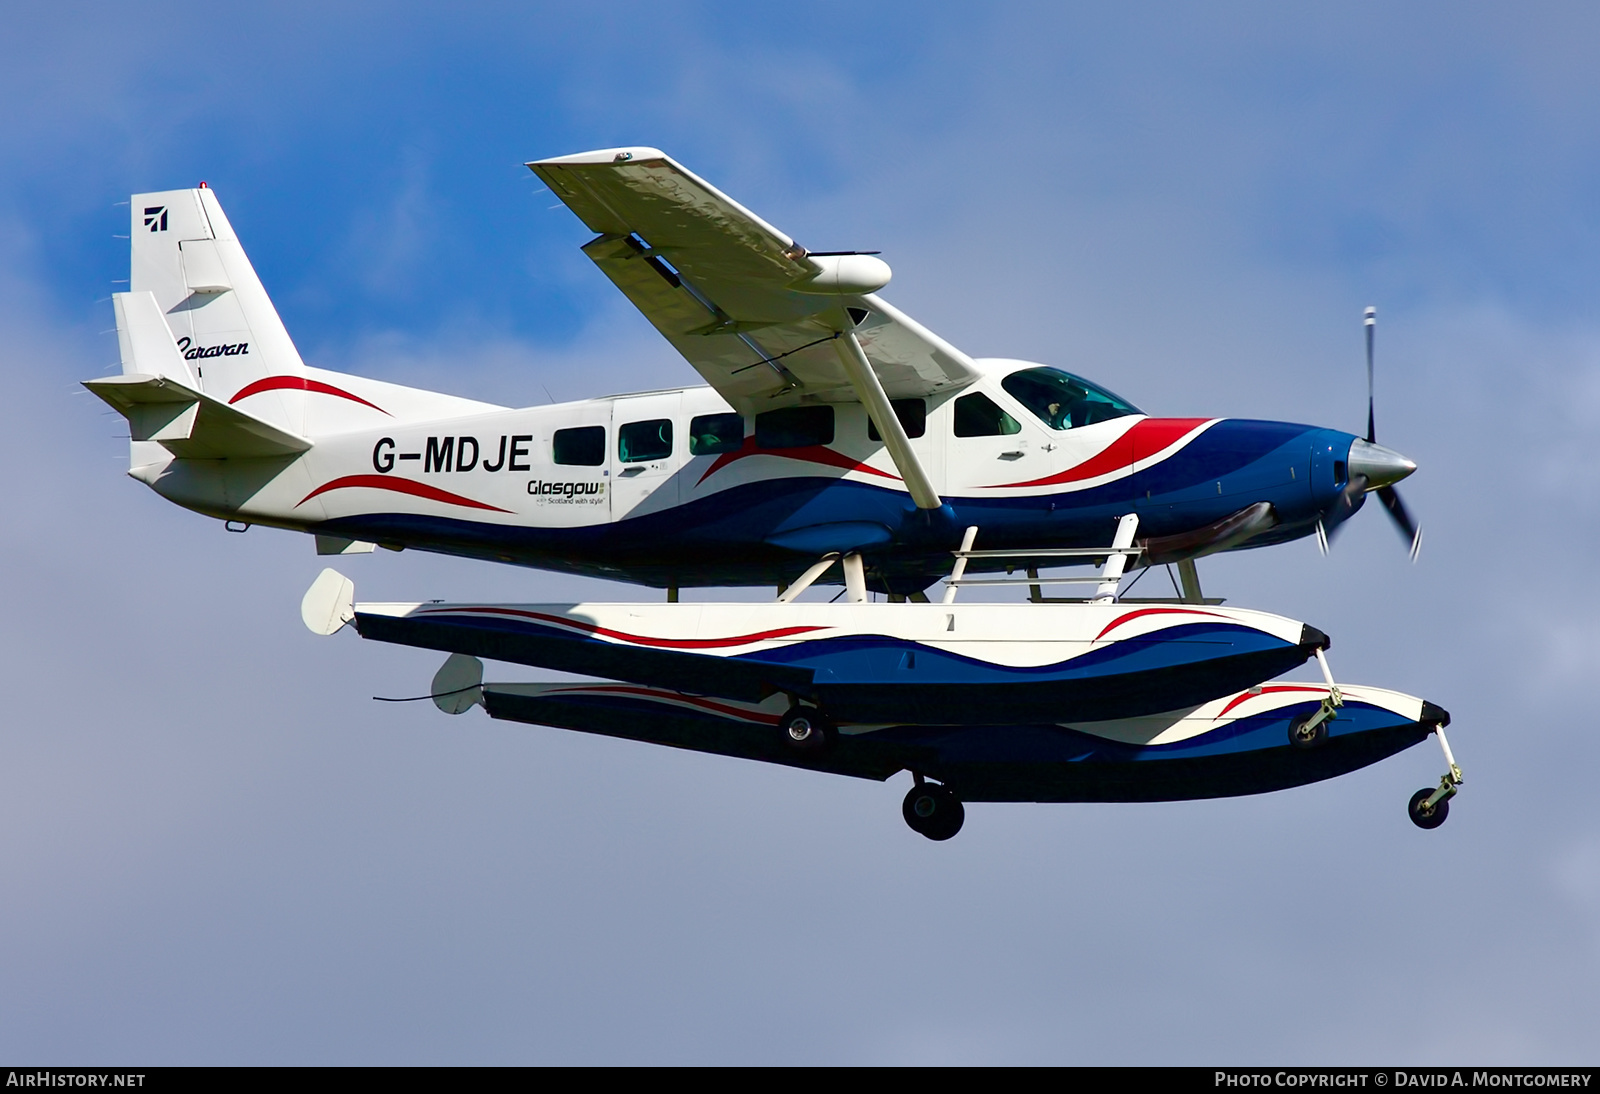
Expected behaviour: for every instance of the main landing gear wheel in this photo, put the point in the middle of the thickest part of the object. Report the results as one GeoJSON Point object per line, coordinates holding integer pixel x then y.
{"type": "Point", "coordinates": [1424, 815]}
{"type": "Point", "coordinates": [933, 811]}
{"type": "Point", "coordinates": [805, 729]}
{"type": "Point", "coordinates": [1308, 731]}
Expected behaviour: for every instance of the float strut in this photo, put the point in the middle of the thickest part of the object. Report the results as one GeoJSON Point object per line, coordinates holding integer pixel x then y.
{"type": "Point", "coordinates": [960, 568]}
{"type": "Point", "coordinates": [805, 580]}
{"type": "Point", "coordinates": [855, 578]}
{"type": "Point", "coordinates": [1116, 563]}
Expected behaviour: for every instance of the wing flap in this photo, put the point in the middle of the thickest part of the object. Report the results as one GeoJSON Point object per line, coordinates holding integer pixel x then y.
{"type": "Point", "coordinates": [749, 362]}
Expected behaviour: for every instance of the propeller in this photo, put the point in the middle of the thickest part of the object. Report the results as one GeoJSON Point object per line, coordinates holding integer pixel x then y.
{"type": "Point", "coordinates": [1373, 463]}
{"type": "Point", "coordinates": [1350, 499]}
{"type": "Point", "coordinates": [1402, 519]}
{"type": "Point", "coordinates": [1371, 323]}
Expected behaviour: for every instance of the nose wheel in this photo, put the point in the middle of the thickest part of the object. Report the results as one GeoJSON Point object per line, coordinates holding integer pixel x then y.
{"type": "Point", "coordinates": [1426, 813]}
{"type": "Point", "coordinates": [933, 811]}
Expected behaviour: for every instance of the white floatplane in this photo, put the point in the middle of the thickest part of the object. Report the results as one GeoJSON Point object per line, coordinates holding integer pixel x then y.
{"type": "Point", "coordinates": [835, 434]}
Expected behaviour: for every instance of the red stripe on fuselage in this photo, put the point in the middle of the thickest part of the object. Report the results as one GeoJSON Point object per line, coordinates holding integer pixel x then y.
{"type": "Point", "coordinates": [398, 486]}
{"type": "Point", "coordinates": [299, 383]}
{"type": "Point", "coordinates": [637, 639]}
{"type": "Point", "coordinates": [811, 453]}
{"type": "Point", "coordinates": [1142, 441]}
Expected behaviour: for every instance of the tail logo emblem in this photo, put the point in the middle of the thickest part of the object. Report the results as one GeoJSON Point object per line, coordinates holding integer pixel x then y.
{"type": "Point", "coordinates": [155, 218]}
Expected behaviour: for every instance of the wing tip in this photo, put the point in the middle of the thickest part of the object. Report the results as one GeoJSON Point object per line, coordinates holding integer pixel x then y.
{"type": "Point", "coordinates": [601, 156]}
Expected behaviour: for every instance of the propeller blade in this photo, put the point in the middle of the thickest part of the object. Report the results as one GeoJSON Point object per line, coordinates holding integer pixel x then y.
{"type": "Point", "coordinates": [1372, 329]}
{"type": "Point", "coordinates": [1402, 519]}
{"type": "Point", "coordinates": [1350, 499]}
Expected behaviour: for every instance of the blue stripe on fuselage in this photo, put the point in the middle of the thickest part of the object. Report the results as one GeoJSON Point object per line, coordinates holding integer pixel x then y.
{"type": "Point", "coordinates": [719, 539]}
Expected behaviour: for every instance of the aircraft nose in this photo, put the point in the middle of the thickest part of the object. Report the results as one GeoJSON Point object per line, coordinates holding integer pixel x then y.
{"type": "Point", "coordinates": [1381, 466]}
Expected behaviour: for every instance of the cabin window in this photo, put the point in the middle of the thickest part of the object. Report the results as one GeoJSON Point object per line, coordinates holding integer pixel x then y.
{"type": "Point", "coordinates": [794, 427]}
{"type": "Point", "coordinates": [913, 415]}
{"type": "Point", "coordinates": [638, 442]}
{"type": "Point", "coordinates": [714, 434]}
{"type": "Point", "coordinates": [1063, 401]}
{"type": "Point", "coordinates": [977, 415]}
{"type": "Point", "coordinates": [584, 446]}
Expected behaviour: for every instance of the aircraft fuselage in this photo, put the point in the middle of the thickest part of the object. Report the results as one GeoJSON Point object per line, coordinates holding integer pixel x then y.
{"type": "Point", "coordinates": [672, 488]}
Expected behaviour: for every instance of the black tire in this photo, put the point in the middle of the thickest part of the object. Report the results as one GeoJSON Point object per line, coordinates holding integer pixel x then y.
{"type": "Point", "coordinates": [804, 729]}
{"type": "Point", "coordinates": [933, 811]}
{"type": "Point", "coordinates": [1432, 818]}
{"type": "Point", "coordinates": [1300, 737]}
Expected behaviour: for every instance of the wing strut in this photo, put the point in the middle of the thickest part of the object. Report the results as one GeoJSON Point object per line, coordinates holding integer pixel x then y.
{"type": "Point", "coordinates": [870, 392]}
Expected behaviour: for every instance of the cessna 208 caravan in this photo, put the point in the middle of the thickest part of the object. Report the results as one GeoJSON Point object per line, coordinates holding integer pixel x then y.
{"type": "Point", "coordinates": [832, 424]}
{"type": "Point", "coordinates": [835, 433]}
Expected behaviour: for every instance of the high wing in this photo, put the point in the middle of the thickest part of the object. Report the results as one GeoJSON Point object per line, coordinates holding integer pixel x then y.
{"type": "Point", "coordinates": [747, 306]}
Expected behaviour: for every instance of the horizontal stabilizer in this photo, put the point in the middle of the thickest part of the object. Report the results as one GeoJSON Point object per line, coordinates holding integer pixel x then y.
{"type": "Point", "coordinates": [190, 424]}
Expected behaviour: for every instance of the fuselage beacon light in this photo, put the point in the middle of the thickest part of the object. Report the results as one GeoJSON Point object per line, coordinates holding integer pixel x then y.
{"type": "Point", "coordinates": [832, 423]}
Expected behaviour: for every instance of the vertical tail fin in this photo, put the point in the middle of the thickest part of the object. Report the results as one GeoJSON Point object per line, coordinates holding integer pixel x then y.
{"type": "Point", "coordinates": [227, 336]}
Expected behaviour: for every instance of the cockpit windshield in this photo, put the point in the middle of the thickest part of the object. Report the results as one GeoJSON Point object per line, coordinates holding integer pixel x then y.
{"type": "Point", "coordinates": [1063, 401]}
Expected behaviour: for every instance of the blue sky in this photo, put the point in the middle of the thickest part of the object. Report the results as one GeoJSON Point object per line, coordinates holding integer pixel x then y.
{"type": "Point", "coordinates": [217, 849]}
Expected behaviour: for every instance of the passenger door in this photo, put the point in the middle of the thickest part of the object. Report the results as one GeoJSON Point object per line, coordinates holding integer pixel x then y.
{"type": "Point", "coordinates": [646, 452]}
{"type": "Point", "coordinates": [571, 476]}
